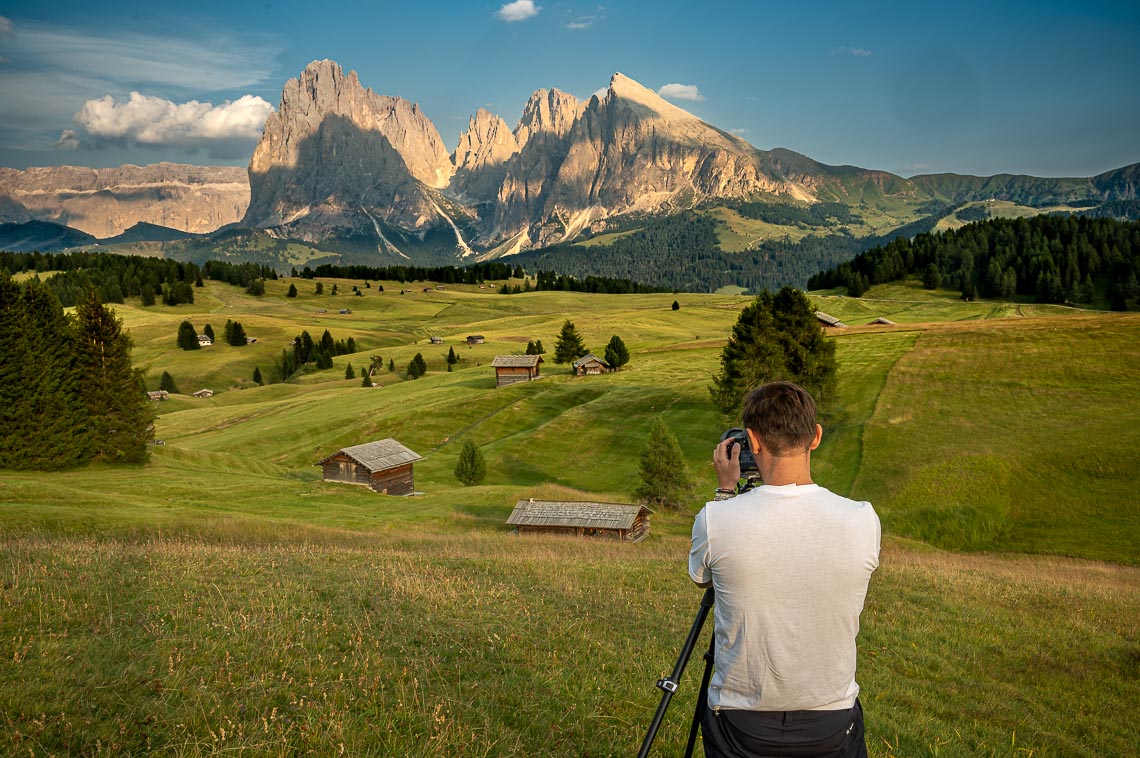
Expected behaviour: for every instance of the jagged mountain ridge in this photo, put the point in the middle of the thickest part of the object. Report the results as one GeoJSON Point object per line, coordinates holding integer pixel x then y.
{"type": "Point", "coordinates": [335, 153]}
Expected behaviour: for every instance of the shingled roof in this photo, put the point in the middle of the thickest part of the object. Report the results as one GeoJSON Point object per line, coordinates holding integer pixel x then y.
{"type": "Point", "coordinates": [828, 320]}
{"type": "Point", "coordinates": [574, 513]}
{"type": "Point", "coordinates": [506, 361]}
{"type": "Point", "coordinates": [379, 455]}
{"type": "Point", "coordinates": [588, 358]}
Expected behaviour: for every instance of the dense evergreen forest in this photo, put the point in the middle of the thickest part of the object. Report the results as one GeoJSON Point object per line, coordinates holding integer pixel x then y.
{"type": "Point", "coordinates": [1049, 258]}
{"type": "Point", "coordinates": [115, 277]}
{"type": "Point", "coordinates": [68, 392]}
{"type": "Point", "coordinates": [682, 253]}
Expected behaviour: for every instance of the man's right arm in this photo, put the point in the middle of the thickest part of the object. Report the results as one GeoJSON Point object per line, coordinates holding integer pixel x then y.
{"type": "Point", "coordinates": [699, 570]}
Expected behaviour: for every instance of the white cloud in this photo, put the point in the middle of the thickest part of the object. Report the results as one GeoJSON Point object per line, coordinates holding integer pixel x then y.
{"type": "Point", "coordinates": [600, 93]}
{"type": "Point", "coordinates": [582, 22]}
{"type": "Point", "coordinates": [146, 120]}
{"type": "Point", "coordinates": [519, 10]}
{"type": "Point", "coordinates": [5, 24]}
{"type": "Point", "coordinates": [675, 91]}
{"type": "Point", "coordinates": [858, 52]}
{"type": "Point", "coordinates": [68, 140]}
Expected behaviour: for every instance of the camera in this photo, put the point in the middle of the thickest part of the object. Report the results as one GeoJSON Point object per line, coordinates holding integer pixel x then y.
{"type": "Point", "coordinates": [748, 465]}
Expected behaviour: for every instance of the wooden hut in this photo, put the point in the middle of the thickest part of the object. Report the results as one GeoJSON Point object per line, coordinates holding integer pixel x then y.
{"type": "Point", "coordinates": [384, 466]}
{"type": "Point", "coordinates": [436, 340]}
{"type": "Point", "coordinates": [826, 320]}
{"type": "Point", "coordinates": [204, 393]}
{"type": "Point", "coordinates": [883, 320]}
{"type": "Point", "coordinates": [618, 521]}
{"type": "Point", "coordinates": [158, 395]}
{"type": "Point", "coordinates": [475, 339]}
{"type": "Point", "coordinates": [512, 369]}
{"type": "Point", "coordinates": [590, 365]}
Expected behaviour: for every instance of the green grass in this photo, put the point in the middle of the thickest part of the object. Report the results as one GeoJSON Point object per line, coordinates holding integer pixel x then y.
{"type": "Point", "coordinates": [223, 598]}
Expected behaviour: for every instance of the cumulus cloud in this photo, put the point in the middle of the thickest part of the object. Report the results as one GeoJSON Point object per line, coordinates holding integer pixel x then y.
{"type": "Point", "coordinates": [858, 52]}
{"type": "Point", "coordinates": [582, 22]}
{"type": "Point", "coordinates": [68, 140]}
{"type": "Point", "coordinates": [674, 91]}
{"type": "Point", "coordinates": [520, 10]}
{"type": "Point", "coordinates": [154, 121]}
{"type": "Point", "coordinates": [5, 24]}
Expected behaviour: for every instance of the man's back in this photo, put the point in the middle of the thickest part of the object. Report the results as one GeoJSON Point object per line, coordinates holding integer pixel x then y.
{"type": "Point", "coordinates": [790, 565]}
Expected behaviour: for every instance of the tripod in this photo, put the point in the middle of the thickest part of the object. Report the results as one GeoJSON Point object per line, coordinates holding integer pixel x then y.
{"type": "Point", "coordinates": [668, 685]}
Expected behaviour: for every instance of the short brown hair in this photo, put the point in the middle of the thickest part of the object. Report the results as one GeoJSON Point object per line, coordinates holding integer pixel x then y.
{"type": "Point", "coordinates": [782, 414]}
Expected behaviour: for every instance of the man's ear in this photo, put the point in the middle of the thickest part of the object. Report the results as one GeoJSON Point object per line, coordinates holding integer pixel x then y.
{"type": "Point", "coordinates": [753, 441]}
{"type": "Point", "coordinates": [818, 436]}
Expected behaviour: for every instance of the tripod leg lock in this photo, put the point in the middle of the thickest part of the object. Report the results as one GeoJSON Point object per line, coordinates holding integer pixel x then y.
{"type": "Point", "coordinates": [667, 684]}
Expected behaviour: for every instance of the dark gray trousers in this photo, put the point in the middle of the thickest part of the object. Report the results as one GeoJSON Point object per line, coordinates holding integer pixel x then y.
{"type": "Point", "coordinates": [784, 734]}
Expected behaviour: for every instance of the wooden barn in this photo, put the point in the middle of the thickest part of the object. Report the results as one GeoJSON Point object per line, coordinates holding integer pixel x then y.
{"type": "Point", "coordinates": [384, 466]}
{"type": "Point", "coordinates": [590, 365]}
{"type": "Point", "coordinates": [826, 320]}
{"type": "Point", "coordinates": [883, 320]}
{"type": "Point", "coordinates": [475, 339]}
{"type": "Point", "coordinates": [617, 521]}
{"type": "Point", "coordinates": [512, 369]}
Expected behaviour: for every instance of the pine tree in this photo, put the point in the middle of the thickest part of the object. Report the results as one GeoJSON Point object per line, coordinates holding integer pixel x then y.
{"type": "Point", "coordinates": [617, 355]}
{"type": "Point", "coordinates": [569, 347]}
{"type": "Point", "coordinates": [147, 295]}
{"type": "Point", "coordinates": [676, 306]}
{"type": "Point", "coordinates": [421, 364]}
{"type": "Point", "coordinates": [320, 288]}
{"type": "Point", "coordinates": [538, 348]}
{"type": "Point", "coordinates": [119, 415]}
{"type": "Point", "coordinates": [452, 358]}
{"type": "Point", "coordinates": [664, 477]}
{"type": "Point", "coordinates": [209, 332]}
{"type": "Point", "coordinates": [530, 348]}
{"type": "Point", "coordinates": [366, 380]}
{"type": "Point", "coordinates": [413, 370]}
{"type": "Point", "coordinates": [188, 336]}
{"type": "Point", "coordinates": [292, 290]}
{"type": "Point", "coordinates": [257, 375]}
{"type": "Point", "coordinates": [775, 337]}
{"type": "Point", "coordinates": [14, 381]}
{"type": "Point", "coordinates": [391, 364]}
{"type": "Point", "coordinates": [470, 468]}
{"type": "Point", "coordinates": [235, 333]}
{"type": "Point", "coordinates": [167, 383]}
{"type": "Point", "coordinates": [349, 373]}
{"type": "Point", "coordinates": [328, 344]}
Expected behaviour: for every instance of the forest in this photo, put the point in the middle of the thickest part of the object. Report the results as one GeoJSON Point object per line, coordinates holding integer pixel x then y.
{"type": "Point", "coordinates": [1051, 258]}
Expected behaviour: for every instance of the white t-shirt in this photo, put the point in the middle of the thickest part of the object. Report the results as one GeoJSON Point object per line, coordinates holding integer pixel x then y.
{"type": "Point", "coordinates": [790, 566]}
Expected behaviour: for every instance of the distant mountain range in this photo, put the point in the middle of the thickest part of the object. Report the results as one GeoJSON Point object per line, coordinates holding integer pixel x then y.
{"type": "Point", "coordinates": [346, 172]}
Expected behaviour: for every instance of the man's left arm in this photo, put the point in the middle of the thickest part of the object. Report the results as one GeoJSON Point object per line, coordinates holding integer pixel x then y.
{"type": "Point", "coordinates": [699, 570]}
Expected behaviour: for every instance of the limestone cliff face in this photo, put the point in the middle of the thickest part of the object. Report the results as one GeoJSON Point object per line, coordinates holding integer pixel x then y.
{"type": "Point", "coordinates": [105, 202]}
{"type": "Point", "coordinates": [335, 145]}
{"type": "Point", "coordinates": [481, 157]}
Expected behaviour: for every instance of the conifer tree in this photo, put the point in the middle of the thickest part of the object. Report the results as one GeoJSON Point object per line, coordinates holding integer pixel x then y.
{"type": "Point", "coordinates": [538, 348]}
{"type": "Point", "coordinates": [188, 336]}
{"type": "Point", "coordinates": [349, 373]}
{"type": "Point", "coordinates": [452, 358]}
{"type": "Point", "coordinates": [617, 354]}
{"type": "Point", "coordinates": [167, 383]}
{"type": "Point", "coordinates": [257, 375]}
{"type": "Point", "coordinates": [14, 357]}
{"type": "Point", "coordinates": [569, 347]}
{"type": "Point", "coordinates": [421, 364]}
{"type": "Point", "coordinates": [665, 480]}
{"type": "Point", "coordinates": [320, 288]}
{"type": "Point", "coordinates": [676, 306]}
{"type": "Point", "coordinates": [119, 416]}
{"type": "Point", "coordinates": [292, 290]}
{"type": "Point", "coordinates": [530, 348]}
{"type": "Point", "coordinates": [470, 468]}
{"type": "Point", "coordinates": [391, 364]}
{"type": "Point", "coordinates": [366, 380]}
{"type": "Point", "coordinates": [413, 370]}
{"type": "Point", "coordinates": [209, 332]}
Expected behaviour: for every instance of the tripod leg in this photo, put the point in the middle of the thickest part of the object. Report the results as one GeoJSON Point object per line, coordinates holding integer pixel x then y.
{"type": "Point", "coordinates": [668, 685]}
{"type": "Point", "coordinates": [702, 698]}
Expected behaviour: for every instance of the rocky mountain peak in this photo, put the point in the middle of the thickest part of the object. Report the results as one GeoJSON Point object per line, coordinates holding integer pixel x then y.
{"type": "Point", "coordinates": [487, 141]}
{"type": "Point", "coordinates": [548, 111]}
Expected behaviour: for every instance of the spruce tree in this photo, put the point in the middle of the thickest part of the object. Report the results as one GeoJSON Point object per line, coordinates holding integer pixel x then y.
{"type": "Point", "coordinates": [292, 290]}
{"type": "Point", "coordinates": [188, 336]}
{"type": "Point", "coordinates": [15, 355]}
{"type": "Point", "coordinates": [112, 391]}
{"type": "Point", "coordinates": [452, 358]}
{"type": "Point", "coordinates": [538, 348]}
{"type": "Point", "coordinates": [471, 468]}
{"type": "Point", "coordinates": [167, 383]}
{"type": "Point", "coordinates": [391, 364]}
{"type": "Point", "coordinates": [320, 288]}
{"type": "Point", "coordinates": [617, 355]}
{"type": "Point", "coordinates": [421, 364]}
{"type": "Point", "coordinates": [569, 347]}
{"type": "Point", "coordinates": [257, 375]}
{"type": "Point", "coordinates": [349, 373]}
{"type": "Point", "coordinates": [413, 370]}
{"type": "Point", "coordinates": [775, 337]}
{"type": "Point", "coordinates": [209, 332]}
{"type": "Point", "coordinates": [235, 333]}
{"type": "Point", "coordinates": [665, 480]}
{"type": "Point", "coordinates": [366, 380]}
{"type": "Point", "coordinates": [676, 306]}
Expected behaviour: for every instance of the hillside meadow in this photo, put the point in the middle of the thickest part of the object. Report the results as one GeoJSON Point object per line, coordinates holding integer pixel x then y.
{"type": "Point", "coordinates": [222, 598]}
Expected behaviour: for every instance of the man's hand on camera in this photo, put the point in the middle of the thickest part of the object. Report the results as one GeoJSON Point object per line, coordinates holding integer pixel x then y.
{"type": "Point", "coordinates": [726, 461]}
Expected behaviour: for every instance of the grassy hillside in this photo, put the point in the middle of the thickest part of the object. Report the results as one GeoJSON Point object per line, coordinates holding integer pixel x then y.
{"type": "Point", "coordinates": [222, 597]}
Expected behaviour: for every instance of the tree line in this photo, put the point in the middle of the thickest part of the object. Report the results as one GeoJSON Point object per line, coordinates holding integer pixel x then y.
{"type": "Point", "coordinates": [68, 392]}
{"type": "Point", "coordinates": [1052, 258]}
{"type": "Point", "coordinates": [115, 277]}
{"type": "Point", "coordinates": [476, 273]}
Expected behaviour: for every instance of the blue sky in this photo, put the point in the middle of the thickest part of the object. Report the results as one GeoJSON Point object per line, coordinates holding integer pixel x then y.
{"type": "Point", "coordinates": [1046, 88]}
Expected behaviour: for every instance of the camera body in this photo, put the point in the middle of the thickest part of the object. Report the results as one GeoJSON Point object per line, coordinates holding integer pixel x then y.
{"type": "Point", "coordinates": [748, 465]}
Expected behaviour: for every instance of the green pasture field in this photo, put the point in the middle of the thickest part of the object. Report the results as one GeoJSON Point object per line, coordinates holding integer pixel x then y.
{"type": "Point", "coordinates": [222, 598]}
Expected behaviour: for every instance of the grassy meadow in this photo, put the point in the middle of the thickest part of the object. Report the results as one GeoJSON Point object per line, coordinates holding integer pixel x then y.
{"type": "Point", "coordinates": [222, 598]}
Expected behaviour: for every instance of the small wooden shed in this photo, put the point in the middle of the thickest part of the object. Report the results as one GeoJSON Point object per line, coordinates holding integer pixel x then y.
{"type": "Point", "coordinates": [883, 320]}
{"type": "Point", "coordinates": [204, 393]}
{"type": "Point", "coordinates": [512, 369]}
{"type": "Point", "coordinates": [384, 466]}
{"type": "Point", "coordinates": [590, 365]}
{"type": "Point", "coordinates": [618, 521]}
{"type": "Point", "coordinates": [827, 320]}
{"type": "Point", "coordinates": [475, 339]}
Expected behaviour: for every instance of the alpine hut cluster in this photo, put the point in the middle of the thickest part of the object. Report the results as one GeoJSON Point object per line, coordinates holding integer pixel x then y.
{"type": "Point", "coordinates": [384, 466]}
{"type": "Point", "coordinates": [617, 521]}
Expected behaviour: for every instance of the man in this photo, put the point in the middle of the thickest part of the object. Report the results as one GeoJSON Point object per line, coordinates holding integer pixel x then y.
{"type": "Point", "coordinates": [790, 563]}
